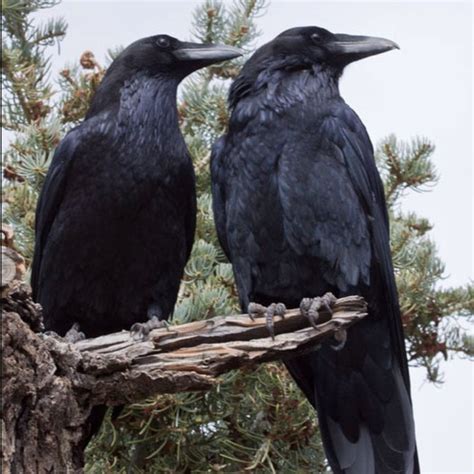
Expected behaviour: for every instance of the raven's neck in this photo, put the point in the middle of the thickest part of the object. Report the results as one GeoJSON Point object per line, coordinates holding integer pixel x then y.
{"type": "Point", "coordinates": [148, 108]}
{"type": "Point", "coordinates": [280, 90]}
{"type": "Point", "coordinates": [142, 110]}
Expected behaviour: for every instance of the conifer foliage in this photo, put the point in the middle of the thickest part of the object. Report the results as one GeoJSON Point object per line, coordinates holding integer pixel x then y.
{"type": "Point", "coordinates": [255, 420]}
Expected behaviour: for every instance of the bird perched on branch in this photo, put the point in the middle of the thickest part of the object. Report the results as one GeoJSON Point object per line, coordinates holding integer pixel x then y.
{"type": "Point", "coordinates": [116, 216]}
{"type": "Point", "coordinates": [300, 211]}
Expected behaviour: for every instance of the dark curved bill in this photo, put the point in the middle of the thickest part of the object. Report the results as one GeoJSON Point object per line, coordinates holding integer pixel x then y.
{"type": "Point", "coordinates": [358, 47]}
{"type": "Point", "coordinates": [207, 53]}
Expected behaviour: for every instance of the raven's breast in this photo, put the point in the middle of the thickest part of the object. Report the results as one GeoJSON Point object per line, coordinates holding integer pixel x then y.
{"type": "Point", "coordinates": [118, 244]}
{"type": "Point", "coordinates": [294, 222]}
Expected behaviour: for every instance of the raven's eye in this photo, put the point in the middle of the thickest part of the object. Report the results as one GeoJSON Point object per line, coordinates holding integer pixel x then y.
{"type": "Point", "coordinates": [315, 38]}
{"type": "Point", "coordinates": [163, 42]}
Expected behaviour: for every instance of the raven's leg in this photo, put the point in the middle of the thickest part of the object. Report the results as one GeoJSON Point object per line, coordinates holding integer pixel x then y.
{"type": "Point", "coordinates": [310, 307]}
{"type": "Point", "coordinates": [275, 309]}
{"type": "Point", "coordinates": [140, 331]}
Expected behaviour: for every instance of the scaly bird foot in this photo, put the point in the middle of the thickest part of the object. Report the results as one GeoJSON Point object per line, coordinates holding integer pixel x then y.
{"type": "Point", "coordinates": [74, 334]}
{"type": "Point", "coordinates": [140, 331]}
{"type": "Point", "coordinates": [275, 309]}
{"type": "Point", "coordinates": [310, 307]}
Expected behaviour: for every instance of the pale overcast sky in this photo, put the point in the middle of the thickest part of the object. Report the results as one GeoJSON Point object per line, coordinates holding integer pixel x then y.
{"type": "Point", "coordinates": [423, 89]}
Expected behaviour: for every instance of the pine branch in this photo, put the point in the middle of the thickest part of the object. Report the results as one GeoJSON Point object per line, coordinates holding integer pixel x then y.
{"type": "Point", "coordinates": [405, 166]}
{"type": "Point", "coordinates": [50, 386]}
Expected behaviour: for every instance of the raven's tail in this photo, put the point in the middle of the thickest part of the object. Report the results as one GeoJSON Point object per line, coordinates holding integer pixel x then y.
{"type": "Point", "coordinates": [365, 429]}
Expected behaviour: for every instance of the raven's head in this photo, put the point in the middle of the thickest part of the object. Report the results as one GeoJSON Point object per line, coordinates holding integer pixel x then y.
{"type": "Point", "coordinates": [165, 55]}
{"type": "Point", "coordinates": [306, 48]}
{"type": "Point", "coordinates": [313, 45]}
{"type": "Point", "coordinates": [159, 56]}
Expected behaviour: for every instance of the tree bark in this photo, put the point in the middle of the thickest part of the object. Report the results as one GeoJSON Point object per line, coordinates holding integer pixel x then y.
{"type": "Point", "coordinates": [49, 386]}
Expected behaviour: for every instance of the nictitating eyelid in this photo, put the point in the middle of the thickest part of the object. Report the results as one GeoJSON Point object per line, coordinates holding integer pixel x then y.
{"type": "Point", "coordinates": [163, 42]}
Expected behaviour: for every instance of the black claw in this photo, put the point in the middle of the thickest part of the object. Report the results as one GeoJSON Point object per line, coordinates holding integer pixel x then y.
{"type": "Point", "coordinates": [328, 300]}
{"type": "Point", "coordinates": [310, 307]}
{"type": "Point", "coordinates": [140, 331]}
{"type": "Point", "coordinates": [280, 310]}
{"type": "Point", "coordinates": [313, 311]}
{"type": "Point", "coordinates": [255, 310]}
{"type": "Point", "coordinates": [275, 309]}
{"type": "Point", "coordinates": [251, 310]}
{"type": "Point", "coordinates": [269, 315]}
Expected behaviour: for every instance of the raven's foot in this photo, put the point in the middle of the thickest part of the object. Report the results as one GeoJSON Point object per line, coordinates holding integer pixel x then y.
{"type": "Point", "coordinates": [310, 307]}
{"type": "Point", "coordinates": [140, 331]}
{"type": "Point", "coordinates": [256, 310]}
{"type": "Point", "coordinates": [74, 335]}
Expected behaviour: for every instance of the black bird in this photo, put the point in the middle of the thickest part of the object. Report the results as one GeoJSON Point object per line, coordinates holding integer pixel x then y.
{"type": "Point", "coordinates": [300, 211]}
{"type": "Point", "coordinates": [116, 217]}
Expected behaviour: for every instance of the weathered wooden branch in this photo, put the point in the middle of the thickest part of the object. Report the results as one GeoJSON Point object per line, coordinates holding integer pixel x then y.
{"type": "Point", "coordinates": [13, 264]}
{"type": "Point", "coordinates": [191, 356]}
{"type": "Point", "coordinates": [50, 386]}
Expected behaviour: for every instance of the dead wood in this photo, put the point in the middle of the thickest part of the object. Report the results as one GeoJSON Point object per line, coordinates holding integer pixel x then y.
{"type": "Point", "coordinates": [50, 386]}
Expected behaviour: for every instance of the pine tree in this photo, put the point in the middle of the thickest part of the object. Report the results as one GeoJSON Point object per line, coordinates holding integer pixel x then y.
{"type": "Point", "coordinates": [27, 111]}
{"type": "Point", "coordinates": [433, 316]}
{"type": "Point", "coordinates": [257, 419]}
{"type": "Point", "coordinates": [34, 115]}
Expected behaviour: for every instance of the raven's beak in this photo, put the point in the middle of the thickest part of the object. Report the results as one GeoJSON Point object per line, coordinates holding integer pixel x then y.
{"type": "Point", "coordinates": [205, 54]}
{"type": "Point", "coordinates": [350, 48]}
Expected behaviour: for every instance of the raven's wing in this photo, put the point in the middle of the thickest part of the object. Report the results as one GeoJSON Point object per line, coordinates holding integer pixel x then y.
{"type": "Point", "coordinates": [361, 391]}
{"type": "Point", "coordinates": [348, 134]}
{"type": "Point", "coordinates": [50, 200]}
{"type": "Point", "coordinates": [218, 186]}
{"type": "Point", "coordinates": [190, 209]}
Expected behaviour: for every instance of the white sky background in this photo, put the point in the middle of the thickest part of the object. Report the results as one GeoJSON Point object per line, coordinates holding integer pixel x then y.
{"type": "Point", "coordinates": [423, 89]}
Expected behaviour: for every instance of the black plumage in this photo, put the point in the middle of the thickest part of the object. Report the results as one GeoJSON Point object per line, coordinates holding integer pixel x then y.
{"type": "Point", "coordinates": [300, 211]}
{"type": "Point", "coordinates": [116, 217]}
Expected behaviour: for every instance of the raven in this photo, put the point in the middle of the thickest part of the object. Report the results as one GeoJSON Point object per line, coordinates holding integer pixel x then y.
{"type": "Point", "coordinates": [116, 216]}
{"type": "Point", "coordinates": [300, 211]}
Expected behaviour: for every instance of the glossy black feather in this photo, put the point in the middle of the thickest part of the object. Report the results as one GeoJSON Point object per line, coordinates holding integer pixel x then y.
{"type": "Point", "coordinates": [115, 221]}
{"type": "Point", "coordinates": [116, 217]}
{"type": "Point", "coordinates": [300, 210]}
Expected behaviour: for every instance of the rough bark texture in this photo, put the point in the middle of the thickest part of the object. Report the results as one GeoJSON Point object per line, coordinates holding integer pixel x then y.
{"type": "Point", "coordinates": [50, 386]}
